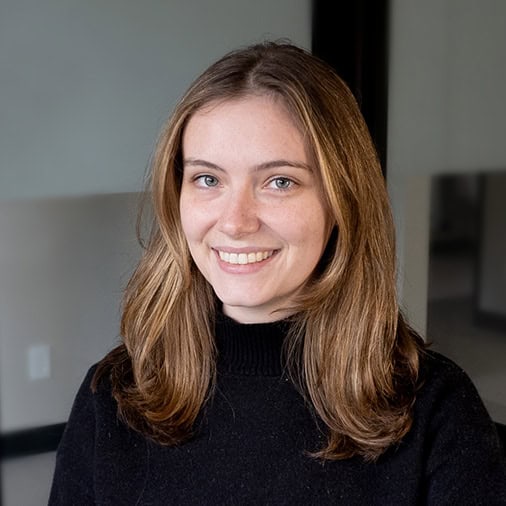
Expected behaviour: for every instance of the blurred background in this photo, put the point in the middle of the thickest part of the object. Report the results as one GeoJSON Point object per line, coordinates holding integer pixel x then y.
{"type": "Point", "coordinates": [84, 89]}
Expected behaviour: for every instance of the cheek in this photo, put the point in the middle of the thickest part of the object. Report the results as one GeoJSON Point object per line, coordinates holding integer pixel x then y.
{"type": "Point", "coordinates": [307, 227]}
{"type": "Point", "coordinates": [189, 225]}
{"type": "Point", "coordinates": [194, 234]}
{"type": "Point", "coordinates": [185, 214]}
{"type": "Point", "coordinates": [193, 220]}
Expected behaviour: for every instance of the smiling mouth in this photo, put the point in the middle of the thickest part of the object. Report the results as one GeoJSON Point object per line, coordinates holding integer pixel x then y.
{"type": "Point", "coordinates": [245, 258]}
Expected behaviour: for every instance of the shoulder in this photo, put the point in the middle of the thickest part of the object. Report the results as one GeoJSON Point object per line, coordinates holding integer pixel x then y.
{"type": "Point", "coordinates": [94, 408]}
{"type": "Point", "coordinates": [450, 411]}
{"type": "Point", "coordinates": [93, 440]}
{"type": "Point", "coordinates": [92, 398]}
{"type": "Point", "coordinates": [437, 369]}
{"type": "Point", "coordinates": [457, 434]}
{"type": "Point", "coordinates": [437, 363]}
{"type": "Point", "coordinates": [446, 389]}
{"type": "Point", "coordinates": [96, 392]}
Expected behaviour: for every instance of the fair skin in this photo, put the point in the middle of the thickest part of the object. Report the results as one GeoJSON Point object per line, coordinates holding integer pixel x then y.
{"type": "Point", "coordinates": [251, 206]}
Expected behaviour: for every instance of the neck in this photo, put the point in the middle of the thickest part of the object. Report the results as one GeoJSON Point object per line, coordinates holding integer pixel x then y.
{"type": "Point", "coordinates": [257, 314]}
{"type": "Point", "coordinates": [250, 349]}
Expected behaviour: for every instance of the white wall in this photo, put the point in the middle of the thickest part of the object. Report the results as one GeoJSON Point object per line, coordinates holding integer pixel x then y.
{"type": "Point", "coordinates": [85, 87]}
{"type": "Point", "coordinates": [447, 104]}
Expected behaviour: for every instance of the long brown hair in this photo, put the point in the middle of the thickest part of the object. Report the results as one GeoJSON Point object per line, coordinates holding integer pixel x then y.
{"type": "Point", "coordinates": [349, 349]}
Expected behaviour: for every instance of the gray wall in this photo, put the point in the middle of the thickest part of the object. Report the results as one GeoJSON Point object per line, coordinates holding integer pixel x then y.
{"type": "Point", "coordinates": [492, 268]}
{"type": "Point", "coordinates": [63, 263]}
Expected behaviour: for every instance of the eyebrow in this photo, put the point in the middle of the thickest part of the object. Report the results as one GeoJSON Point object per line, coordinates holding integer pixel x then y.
{"type": "Point", "coordinates": [272, 164]}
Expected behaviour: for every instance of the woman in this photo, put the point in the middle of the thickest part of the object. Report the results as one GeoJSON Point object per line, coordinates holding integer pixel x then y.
{"type": "Point", "coordinates": [264, 358]}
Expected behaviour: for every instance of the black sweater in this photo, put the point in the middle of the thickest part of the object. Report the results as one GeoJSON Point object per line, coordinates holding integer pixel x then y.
{"type": "Point", "coordinates": [254, 436]}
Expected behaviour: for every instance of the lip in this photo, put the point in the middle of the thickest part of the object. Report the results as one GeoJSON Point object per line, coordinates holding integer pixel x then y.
{"type": "Point", "coordinates": [248, 268]}
{"type": "Point", "coordinates": [246, 249]}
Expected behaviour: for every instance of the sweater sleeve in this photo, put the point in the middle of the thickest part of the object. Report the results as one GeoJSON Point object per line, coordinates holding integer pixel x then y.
{"type": "Point", "coordinates": [465, 461]}
{"type": "Point", "coordinates": [73, 476]}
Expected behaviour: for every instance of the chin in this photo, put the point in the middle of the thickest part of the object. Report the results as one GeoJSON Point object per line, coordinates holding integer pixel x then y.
{"type": "Point", "coordinates": [240, 303]}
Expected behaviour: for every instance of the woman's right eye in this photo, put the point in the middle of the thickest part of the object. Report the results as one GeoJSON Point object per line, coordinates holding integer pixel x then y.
{"type": "Point", "coordinates": [206, 181]}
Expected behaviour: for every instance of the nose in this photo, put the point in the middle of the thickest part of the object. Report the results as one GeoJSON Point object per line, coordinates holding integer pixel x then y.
{"type": "Point", "coordinates": [239, 214]}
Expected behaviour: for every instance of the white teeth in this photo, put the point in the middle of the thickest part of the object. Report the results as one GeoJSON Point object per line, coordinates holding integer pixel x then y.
{"type": "Point", "coordinates": [244, 258]}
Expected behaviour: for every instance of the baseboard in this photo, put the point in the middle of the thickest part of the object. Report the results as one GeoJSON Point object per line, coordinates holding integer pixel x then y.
{"type": "Point", "coordinates": [22, 443]}
{"type": "Point", "coordinates": [27, 442]}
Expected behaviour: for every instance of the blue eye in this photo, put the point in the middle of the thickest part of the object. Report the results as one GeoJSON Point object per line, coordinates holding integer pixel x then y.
{"type": "Point", "coordinates": [282, 183]}
{"type": "Point", "coordinates": [207, 181]}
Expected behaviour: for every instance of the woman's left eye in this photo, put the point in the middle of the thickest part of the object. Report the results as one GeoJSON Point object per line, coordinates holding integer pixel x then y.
{"type": "Point", "coordinates": [281, 183]}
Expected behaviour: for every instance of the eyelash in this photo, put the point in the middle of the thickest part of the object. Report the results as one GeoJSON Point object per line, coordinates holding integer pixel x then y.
{"type": "Point", "coordinates": [203, 182]}
{"type": "Point", "coordinates": [291, 182]}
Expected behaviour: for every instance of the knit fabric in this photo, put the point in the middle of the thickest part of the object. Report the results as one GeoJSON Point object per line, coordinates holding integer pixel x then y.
{"type": "Point", "coordinates": [252, 444]}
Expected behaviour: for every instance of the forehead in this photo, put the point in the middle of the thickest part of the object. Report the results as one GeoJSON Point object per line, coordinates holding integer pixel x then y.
{"type": "Point", "coordinates": [252, 122]}
{"type": "Point", "coordinates": [264, 104]}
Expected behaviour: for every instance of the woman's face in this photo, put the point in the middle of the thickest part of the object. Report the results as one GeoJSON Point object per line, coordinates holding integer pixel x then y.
{"type": "Point", "coordinates": [251, 207]}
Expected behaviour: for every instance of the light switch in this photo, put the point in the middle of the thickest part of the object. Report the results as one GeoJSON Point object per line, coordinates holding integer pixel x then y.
{"type": "Point", "coordinates": [39, 362]}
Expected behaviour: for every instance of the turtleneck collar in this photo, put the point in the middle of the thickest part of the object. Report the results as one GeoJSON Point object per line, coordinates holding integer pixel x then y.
{"type": "Point", "coordinates": [251, 349]}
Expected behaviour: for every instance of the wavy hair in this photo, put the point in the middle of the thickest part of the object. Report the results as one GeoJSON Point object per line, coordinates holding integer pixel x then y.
{"type": "Point", "coordinates": [349, 350]}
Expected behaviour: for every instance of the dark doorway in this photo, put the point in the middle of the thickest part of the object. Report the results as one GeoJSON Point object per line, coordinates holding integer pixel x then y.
{"type": "Point", "coordinates": [352, 36]}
